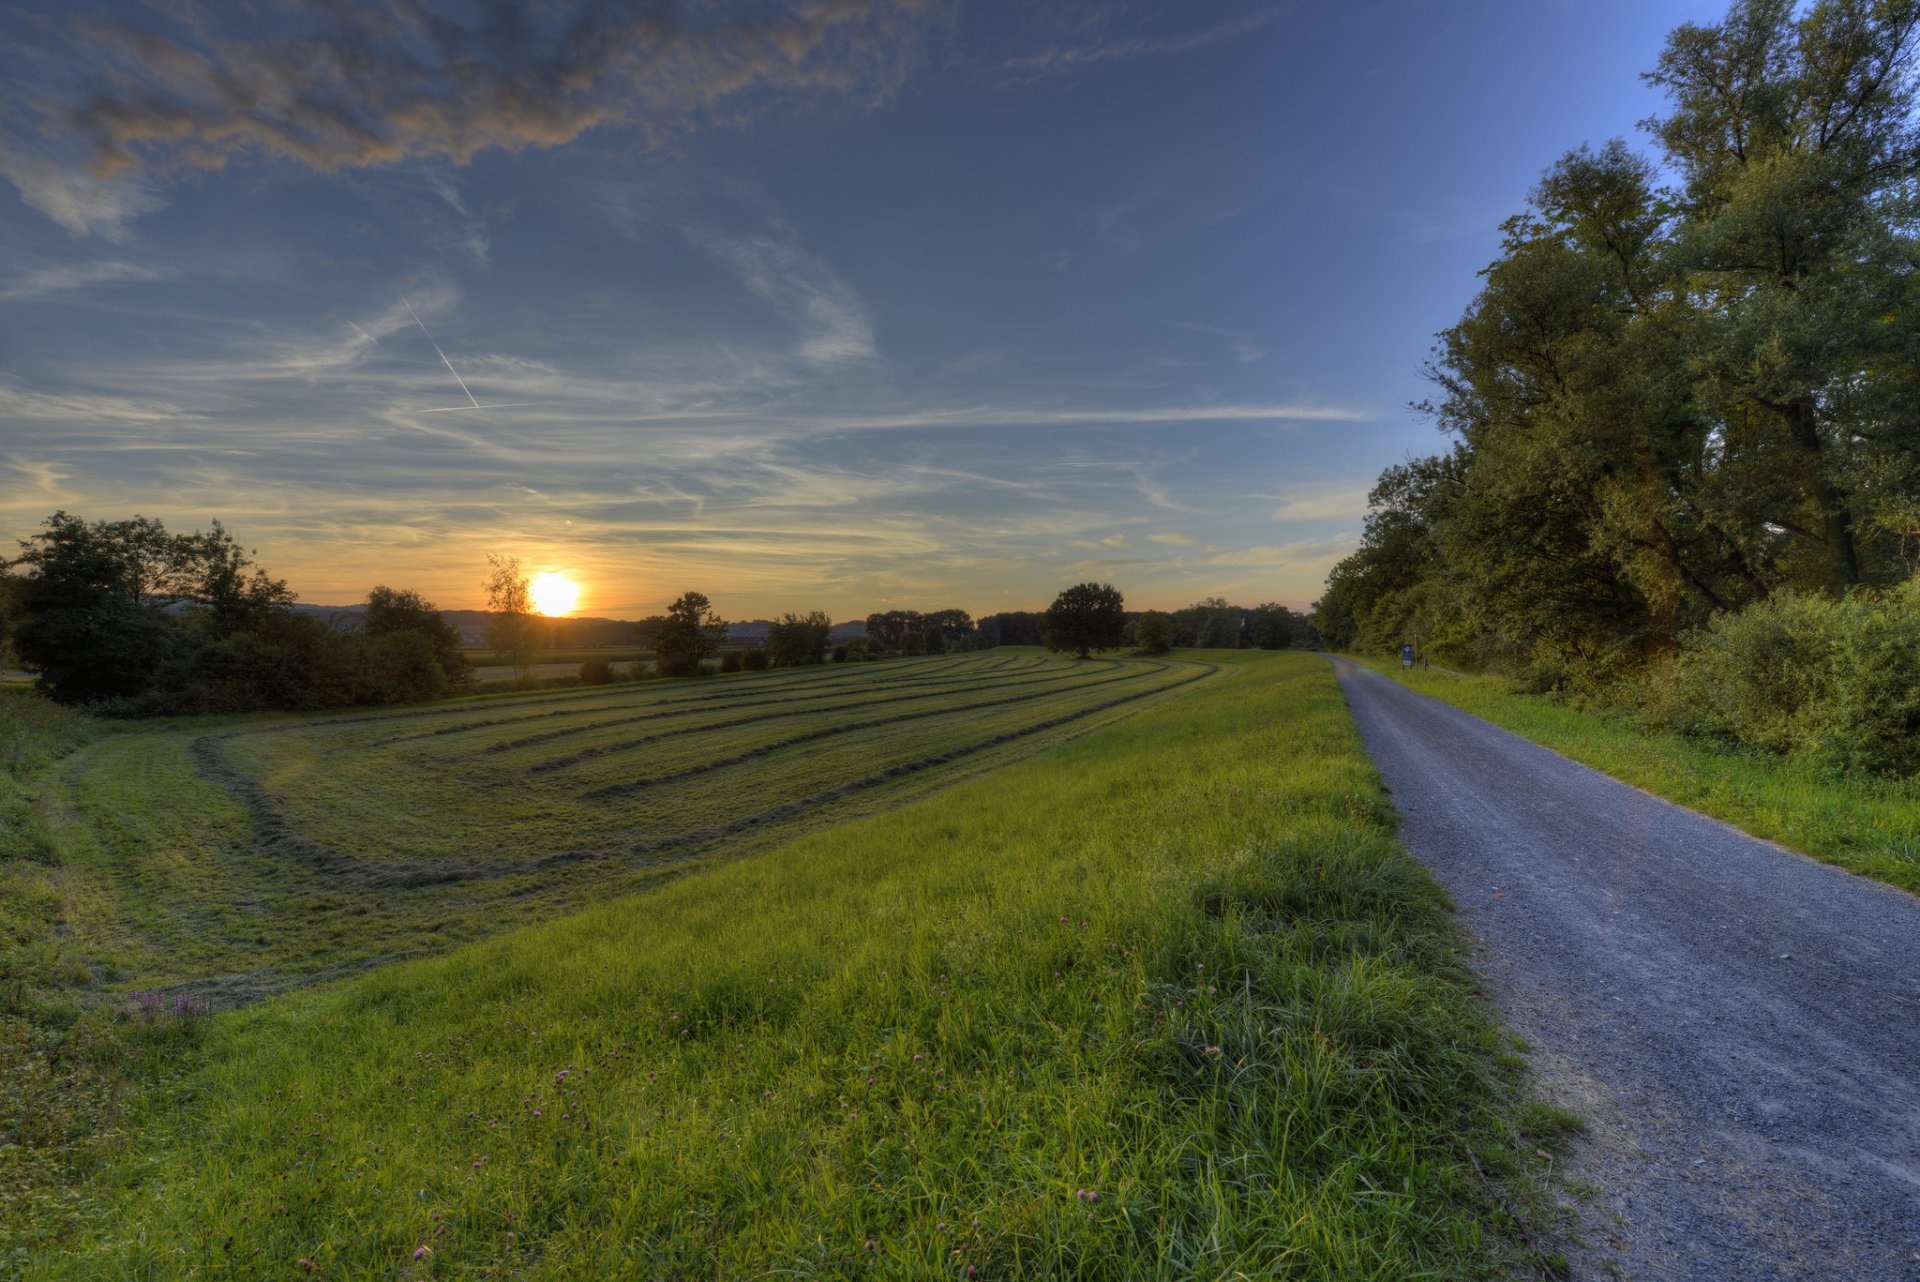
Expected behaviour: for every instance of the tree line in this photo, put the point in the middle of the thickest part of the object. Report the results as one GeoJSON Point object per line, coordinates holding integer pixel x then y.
{"type": "Point", "coordinates": [130, 619]}
{"type": "Point", "coordinates": [1687, 389]}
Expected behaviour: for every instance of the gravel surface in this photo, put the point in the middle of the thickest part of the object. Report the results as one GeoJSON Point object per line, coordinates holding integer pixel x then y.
{"type": "Point", "coordinates": [1739, 1025]}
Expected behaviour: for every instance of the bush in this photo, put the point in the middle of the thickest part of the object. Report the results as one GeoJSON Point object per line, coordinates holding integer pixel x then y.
{"type": "Point", "coordinates": [640, 670]}
{"type": "Point", "coordinates": [840, 653]}
{"type": "Point", "coordinates": [754, 660]}
{"type": "Point", "coordinates": [596, 672]}
{"type": "Point", "coordinates": [1833, 680]}
{"type": "Point", "coordinates": [731, 661]}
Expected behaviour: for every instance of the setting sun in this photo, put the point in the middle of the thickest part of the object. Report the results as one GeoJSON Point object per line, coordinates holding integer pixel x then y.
{"type": "Point", "coordinates": [554, 594]}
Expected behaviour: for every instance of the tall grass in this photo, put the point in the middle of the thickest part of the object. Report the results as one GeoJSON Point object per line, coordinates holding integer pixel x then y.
{"type": "Point", "coordinates": [1164, 1002]}
{"type": "Point", "coordinates": [1866, 824]}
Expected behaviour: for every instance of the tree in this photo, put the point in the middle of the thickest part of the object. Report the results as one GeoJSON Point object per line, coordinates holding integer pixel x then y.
{"type": "Point", "coordinates": [1153, 632]}
{"type": "Point", "coordinates": [401, 612]}
{"type": "Point", "coordinates": [796, 639]}
{"type": "Point", "coordinates": [104, 607]}
{"type": "Point", "coordinates": [1272, 626]}
{"type": "Point", "coordinates": [1084, 618]}
{"type": "Point", "coordinates": [513, 631]}
{"type": "Point", "coordinates": [691, 634]}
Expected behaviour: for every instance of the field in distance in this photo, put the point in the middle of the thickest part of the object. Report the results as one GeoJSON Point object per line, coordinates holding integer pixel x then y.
{"type": "Point", "coordinates": [239, 858]}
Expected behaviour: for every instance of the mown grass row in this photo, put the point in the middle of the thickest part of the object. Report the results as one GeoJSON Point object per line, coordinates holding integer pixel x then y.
{"type": "Point", "coordinates": [419, 802]}
{"type": "Point", "coordinates": [1868, 825]}
{"type": "Point", "coordinates": [1166, 1001]}
{"type": "Point", "coordinates": [169, 877]}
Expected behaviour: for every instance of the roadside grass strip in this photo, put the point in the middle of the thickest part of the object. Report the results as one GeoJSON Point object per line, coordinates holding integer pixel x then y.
{"type": "Point", "coordinates": [1864, 824]}
{"type": "Point", "coordinates": [1166, 1001]}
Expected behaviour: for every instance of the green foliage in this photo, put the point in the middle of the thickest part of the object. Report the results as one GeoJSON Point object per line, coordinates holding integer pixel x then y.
{"type": "Point", "coordinates": [514, 631]}
{"type": "Point", "coordinates": [1112, 1012]}
{"type": "Point", "coordinates": [794, 640]}
{"type": "Point", "coordinates": [1864, 822]}
{"type": "Point", "coordinates": [754, 659]}
{"type": "Point", "coordinates": [596, 672]}
{"type": "Point", "coordinates": [690, 634]}
{"type": "Point", "coordinates": [1153, 632]}
{"type": "Point", "coordinates": [732, 661]}
{"type": "Point", "coordinates": [1084, 618]}
{"type": "Point", "coordinates": [1673, 402]}
{"type": "Point", "coordinates": [1836, 681]}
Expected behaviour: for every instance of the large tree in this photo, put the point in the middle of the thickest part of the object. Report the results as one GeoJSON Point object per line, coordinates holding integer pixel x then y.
{"type": "Point", "coordinates": [1672, 401]}
{"type": "Point", "coordinates": [691, 634]}
{"type": "Point", "coordinates": [1084, 618]}
{"type": "Point", "coordinates": [102, 606]}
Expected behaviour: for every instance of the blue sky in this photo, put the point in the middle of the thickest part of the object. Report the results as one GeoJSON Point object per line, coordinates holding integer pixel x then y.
{"type": "Point", "coordinates": [840, 305]}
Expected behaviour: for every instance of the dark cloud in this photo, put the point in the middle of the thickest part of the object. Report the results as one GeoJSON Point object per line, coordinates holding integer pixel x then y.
{"type": "Point", "coordinates": [335, 85]}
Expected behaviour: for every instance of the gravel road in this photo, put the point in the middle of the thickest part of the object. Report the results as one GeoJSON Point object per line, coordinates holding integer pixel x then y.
{"type": "Point", "coordinates": [1739, 1025]}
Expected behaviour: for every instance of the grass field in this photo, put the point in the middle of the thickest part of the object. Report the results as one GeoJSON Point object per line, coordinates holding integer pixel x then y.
{"type": "Point", "coordinates": [1868, 825]}
{"type": "Point", "coordinates": [1164, 1000]}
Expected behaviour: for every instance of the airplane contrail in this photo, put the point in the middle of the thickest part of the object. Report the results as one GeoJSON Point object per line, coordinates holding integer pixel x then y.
{"type": "Point", "coordinates": [443, 356]}
{"type": "Point", "coordinates": [497, 405]}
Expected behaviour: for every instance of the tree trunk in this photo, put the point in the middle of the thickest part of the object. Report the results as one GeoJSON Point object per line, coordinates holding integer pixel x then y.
{"type": "Point", "coordinates": [1836, 520]}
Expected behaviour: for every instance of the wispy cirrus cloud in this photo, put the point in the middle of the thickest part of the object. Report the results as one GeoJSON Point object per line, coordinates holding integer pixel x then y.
{"type": "Point", "coordinates": [357, 83]}
{"type": "Point", "coordinates": [1031, 68]}
{"type": "Point", "coordinates": [62, 278]}
{"type": "Point", "coordinates": [779, 270]}
{"type": "Point", "coordinates": [1245, 348]}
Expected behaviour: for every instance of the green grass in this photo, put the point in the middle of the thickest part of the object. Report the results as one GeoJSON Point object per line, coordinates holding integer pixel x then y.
{"type": "Point", "coordinates": [243, 857]}
{"type": "Point", "coordinates": [1867, 825]}
{"type": "Point", "coordinates": [1179, 963]}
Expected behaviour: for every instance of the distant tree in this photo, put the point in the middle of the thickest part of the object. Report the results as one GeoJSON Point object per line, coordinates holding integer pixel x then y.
{"type": "Point", "coordinates": [1153, 632]}
{"type": "Point", "coordinates": [796, 639]}
{"type": "Point", "coordinates": [1012, 627]}
{"type": "Point", "coordinates": [1084, 618]}
{"type": "Point", "coordinates": [513, 631]}
{"type": "Point", "coordinates": [892, 627]}
{"type": "Point", "coordinates": [956, 629]}
{"type": "Point", "coordinates": [394, 612]}
{"type": "Point", "coordinates": [691, 634]}
{"type": "Point", "coordinates": [1272, 626]}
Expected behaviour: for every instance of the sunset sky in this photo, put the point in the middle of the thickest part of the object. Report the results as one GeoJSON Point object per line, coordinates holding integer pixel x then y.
{"type": "Point", "coordinates": [841, 305]}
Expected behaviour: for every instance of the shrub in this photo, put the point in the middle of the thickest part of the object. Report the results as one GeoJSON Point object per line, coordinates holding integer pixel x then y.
{"type": "Point", "coordinates": [640, 670]}
{"type": "Point", "coordinates": [596, 672]}
{"type": "Point", "coordinates": [1835, 680]}
{"type": "Point", "coordinates": [754, 660]}
{"type": "Point", "coordinates": [731, 661]}
{"type": "Point", "coordinates": [840, 653]}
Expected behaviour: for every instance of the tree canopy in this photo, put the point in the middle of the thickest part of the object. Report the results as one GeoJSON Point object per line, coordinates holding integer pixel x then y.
{"type": "Point", "coordinates": [690, 634]}
{"type": "Point", "coordinates": [1084, 618]}
{"type": "Point", "coordinates": [1675, 398]}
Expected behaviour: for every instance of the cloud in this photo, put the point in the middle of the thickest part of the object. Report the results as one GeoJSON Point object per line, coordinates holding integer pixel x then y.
{"type": "Point", "coordinates": [1245, 348]}
{"type": "Point", "coordinates": [86, 204]}
{"type": "Point", "coordinates": [1332, 505]}
{"type": "Point", "coordinates": [797, 284]}
{"type": "Point", "coordinates": [1178, 540]}
{"type": "Point", "coordinates": [65, 277]}
{"type": "Point", "coordinates": [1029, 69]}
{"type": "Point", "coordinates": [358, 83]}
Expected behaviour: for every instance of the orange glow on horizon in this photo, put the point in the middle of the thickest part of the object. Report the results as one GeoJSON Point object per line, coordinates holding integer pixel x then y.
{"type": "Point", "coordinates": [554, 595]}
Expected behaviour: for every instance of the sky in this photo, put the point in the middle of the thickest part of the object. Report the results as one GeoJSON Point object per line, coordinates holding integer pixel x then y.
{"type": "Point", "coordinates": [843, 305]}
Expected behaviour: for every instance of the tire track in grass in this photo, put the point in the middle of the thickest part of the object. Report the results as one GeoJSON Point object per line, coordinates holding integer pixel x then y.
{"type": "Point", "coordinates": [274, 834]}
{"type": "Point", "coordinates": [852, 727]}
{"type": "Point", "coordinates": [736, 695]}
{"type": "Point", "coordinates": [1060, 679]}
{"type": "Point", "coordinates": [792, 809]}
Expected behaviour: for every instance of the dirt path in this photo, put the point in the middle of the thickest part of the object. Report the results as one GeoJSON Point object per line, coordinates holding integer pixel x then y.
{"type": "Point", "coordinates": [1739, 1025]}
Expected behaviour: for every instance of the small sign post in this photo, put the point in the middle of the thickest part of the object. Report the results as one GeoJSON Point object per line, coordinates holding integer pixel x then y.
{"type": "Point", "coordinates": [1406, 655]}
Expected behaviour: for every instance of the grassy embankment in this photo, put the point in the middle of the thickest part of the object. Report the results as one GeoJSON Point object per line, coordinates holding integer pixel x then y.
{"type": "Point", "coordinates": [1868, 825]}
{"type": "Point", "coordinates": [1165, 1001]}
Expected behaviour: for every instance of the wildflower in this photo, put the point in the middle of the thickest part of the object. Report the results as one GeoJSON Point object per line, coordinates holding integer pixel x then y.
{"type": "Point", "coordinates": [422, 1252]}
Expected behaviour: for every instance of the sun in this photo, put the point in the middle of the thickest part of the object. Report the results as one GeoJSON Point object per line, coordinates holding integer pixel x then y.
{"type": "Point", "coordinates": [554, 594]}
